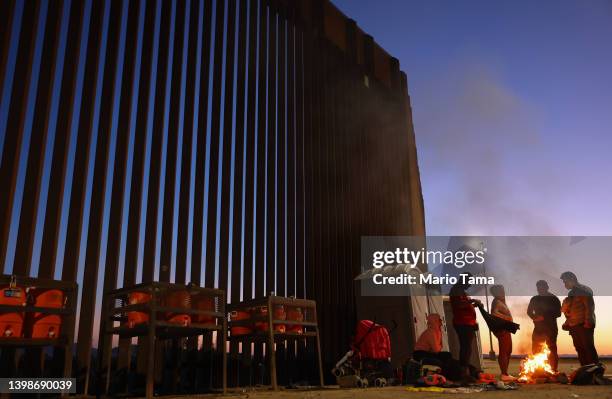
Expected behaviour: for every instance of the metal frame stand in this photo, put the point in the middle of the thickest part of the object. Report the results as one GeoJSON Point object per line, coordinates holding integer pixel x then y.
{"type": "Point", "coordinates": [271, 336]}
{"type": "Point", "coordinates": [156, 329]}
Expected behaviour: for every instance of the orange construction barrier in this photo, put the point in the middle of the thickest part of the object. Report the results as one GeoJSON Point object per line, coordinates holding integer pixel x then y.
{"type": "Point", "coordinates": [178, 299]}
{"type": "Point", "coordinates": [136, 318]}
{"type": "Point", "coordinates": [11, 324]}
{"type": "Point", "coordinates": [47, 325]}
{"type": "Point", "coordinates": [203, 302]}
{"type": "Point", "coordinates": [279, 314]}
{"type": "Point", "coordinates": [295, 314]}
{"type": "Point", "coordinates": [240, 315]}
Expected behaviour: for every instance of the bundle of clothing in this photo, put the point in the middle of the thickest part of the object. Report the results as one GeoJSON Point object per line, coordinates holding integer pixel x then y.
{"type": "Point", "coordinates": [497, 323]}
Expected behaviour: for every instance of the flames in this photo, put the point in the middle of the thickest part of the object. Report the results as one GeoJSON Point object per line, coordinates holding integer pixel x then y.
{"type": "Point", "coordinates": [535, 366]}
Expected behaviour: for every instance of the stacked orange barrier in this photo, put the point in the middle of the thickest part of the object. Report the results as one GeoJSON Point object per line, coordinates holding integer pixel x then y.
{"type": "Point", "coordinates": [136, 318]}
{"type": "Point", "coordinates": [240, 315]}
{"type": "Point", "coordinates": [178, 299]}
{"type": "Point", "coordinates": [47, 325]}
{"type": "Point", "coordinates": [11, 324]}
{"type": "Point", "coordinates": [295, 314]}
{"type": "Point", "coordinates": [279, 314]}
{"type": "Point", "coordinates": [203, 302]}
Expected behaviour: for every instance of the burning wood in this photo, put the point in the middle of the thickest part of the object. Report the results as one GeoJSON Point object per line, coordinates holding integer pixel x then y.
{"type": "Point", "coordinates": [536, 368]}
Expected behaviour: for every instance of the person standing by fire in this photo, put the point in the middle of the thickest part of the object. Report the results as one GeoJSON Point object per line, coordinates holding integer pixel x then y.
{"type": "Point", "coordinates": [504, 337]}
{"type": "Point", "coordinates": [544, 309]}
{"type": "Point", "coordinates": [464, 322]}
{"type": "Point", "coordinates": [579, 311]}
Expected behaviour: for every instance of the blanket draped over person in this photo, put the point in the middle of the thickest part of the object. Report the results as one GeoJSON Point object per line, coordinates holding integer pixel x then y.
{"type": "Point", "coordinates": [496, 323]}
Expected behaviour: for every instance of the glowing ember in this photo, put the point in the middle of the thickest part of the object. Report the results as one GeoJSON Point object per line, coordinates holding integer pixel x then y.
{"type": "Point", "coordinates": [535, 366]}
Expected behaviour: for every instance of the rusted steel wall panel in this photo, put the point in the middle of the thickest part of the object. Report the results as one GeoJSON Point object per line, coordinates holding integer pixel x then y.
{"type": "Point", "coordinates": [226, 154]}
{"type": "Point", "coordinates": [174, 135]}
{"type": "Point", "coordinates": [300, 179]}
{"type": "Point", "coordinates": [271, 132]}
{"type": "Point", "coordinates": [260, 239]}
{"type": "Point", "coordinates": [40, 124]}
{"type": "Point", "coordinates": [160, 109]}
{"type": "Point", "coordinates": [335, 29]}
{"type": "Point", "coordinates": [281, 134]}
{"type": "Point", "coordinates": [68, 109]}
{"type": "Point", "coordinates": [291, 159]}
{"type": "Point", "coordinates": [189, 126]}
{"type": "Point", "coordinates": [200, 160]}
{"type": "Point", "coordinates": [128, 102]}
{"type": "Point", "coordinates": [16, 102]}
{"type": "Point", "coordinates": [381, 65]}
{"type": "Point", "coordinates": [240, 163]}
{"type": "Point", "coordinates": [213, 162]}
{"type": "Point", "coordinates": [235, 267]}
{"type": "Point", "coordinates": [106, 129]}
{"type": "Point", "coordinates": [251, 151]}
{"type": "Point", "coordinates": [88, 114]}
{"type": "Point", "coordinates": [7, 18]}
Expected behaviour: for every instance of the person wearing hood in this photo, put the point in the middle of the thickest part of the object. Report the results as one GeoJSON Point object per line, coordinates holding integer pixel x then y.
{"type": "Point", "coordinates": [579, 311]}
{"type": "Point", "coordinates": [428, 348]}
{"type": "Point", "coordinates": [429, 343]}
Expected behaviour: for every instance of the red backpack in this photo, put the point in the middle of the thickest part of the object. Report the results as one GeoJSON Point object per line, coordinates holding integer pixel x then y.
{"type": "Point", "coordinates": [372, 341]}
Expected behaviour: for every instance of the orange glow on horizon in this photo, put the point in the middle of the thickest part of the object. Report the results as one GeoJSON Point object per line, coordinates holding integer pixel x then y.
{"type": "Point", "coordinates": [521, 341]}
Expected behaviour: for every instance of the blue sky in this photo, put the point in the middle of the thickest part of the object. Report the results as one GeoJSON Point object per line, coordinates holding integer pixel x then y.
{"type": "Point", "coordinates": [512, 110]}
{"type": "Point", "coordinates": [512, 107]}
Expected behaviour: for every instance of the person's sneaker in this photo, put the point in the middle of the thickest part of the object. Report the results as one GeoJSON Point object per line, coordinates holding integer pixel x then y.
{"type": "Point", "coordinates": [507, 378]}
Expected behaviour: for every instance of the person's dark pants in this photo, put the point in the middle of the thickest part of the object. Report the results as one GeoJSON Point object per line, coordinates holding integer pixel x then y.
{"type": "Point", "coordinates": [466, 336]}
{"type": "Point", "coordinates": [584, 343]}
{"type": "Point", "coordinates": [438, 356]}
{"type": "Point", "coordinates": [543, 336]}
{"type": "Point", "coordinates": [505, 349]}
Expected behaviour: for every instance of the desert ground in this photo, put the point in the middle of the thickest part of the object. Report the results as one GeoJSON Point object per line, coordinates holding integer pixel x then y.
{"type": "Point", "coordinates": [541, 391]}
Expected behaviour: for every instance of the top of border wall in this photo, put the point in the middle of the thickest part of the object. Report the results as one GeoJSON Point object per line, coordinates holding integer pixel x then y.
{"type": "Point", "coordinates": [324, 17]}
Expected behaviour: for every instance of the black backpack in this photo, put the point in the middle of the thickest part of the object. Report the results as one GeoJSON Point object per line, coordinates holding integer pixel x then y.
{"type": "Point", "coordinates": [591, 374]}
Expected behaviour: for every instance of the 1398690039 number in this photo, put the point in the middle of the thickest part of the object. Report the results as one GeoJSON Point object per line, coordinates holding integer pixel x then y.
{"type": "Point", "coordinates": [37, 385]}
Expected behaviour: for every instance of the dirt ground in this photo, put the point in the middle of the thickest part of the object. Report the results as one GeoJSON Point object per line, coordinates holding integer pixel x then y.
{"type": "Point", "coordinates": [541, 391]}
{"type": "Point", "coordinates": [565, 365]}
{"type": "Point", "coordinates": [544, 391]}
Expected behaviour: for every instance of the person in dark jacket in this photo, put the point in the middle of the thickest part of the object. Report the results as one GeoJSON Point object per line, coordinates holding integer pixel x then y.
{"type": "Point", "coordinates": [579, 311]}
{"type": "Point", "coordinates": [464, 320]}
{"type": "Point", "coordinates": [544, 309]}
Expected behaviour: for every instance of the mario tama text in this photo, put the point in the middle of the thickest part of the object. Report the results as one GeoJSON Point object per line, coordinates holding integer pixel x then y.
{"type": "Point", "coordinates": [430, 279]}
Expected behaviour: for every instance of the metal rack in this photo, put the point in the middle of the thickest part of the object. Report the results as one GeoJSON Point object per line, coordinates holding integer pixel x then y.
{"type": "Point", "coordinates": [271, 336]}
{"type": "Point", "coordinates": [67, 312]}
{"type": "Point", "coordinates": [117, 308]}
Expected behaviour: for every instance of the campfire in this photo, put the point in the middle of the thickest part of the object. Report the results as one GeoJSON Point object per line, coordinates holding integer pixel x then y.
{"type": "Point", "coordinates": [536, 368]}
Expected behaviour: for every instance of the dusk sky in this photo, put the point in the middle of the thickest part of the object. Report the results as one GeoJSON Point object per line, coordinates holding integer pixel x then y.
{"type": "Point", "coordinates": [512, 106]}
